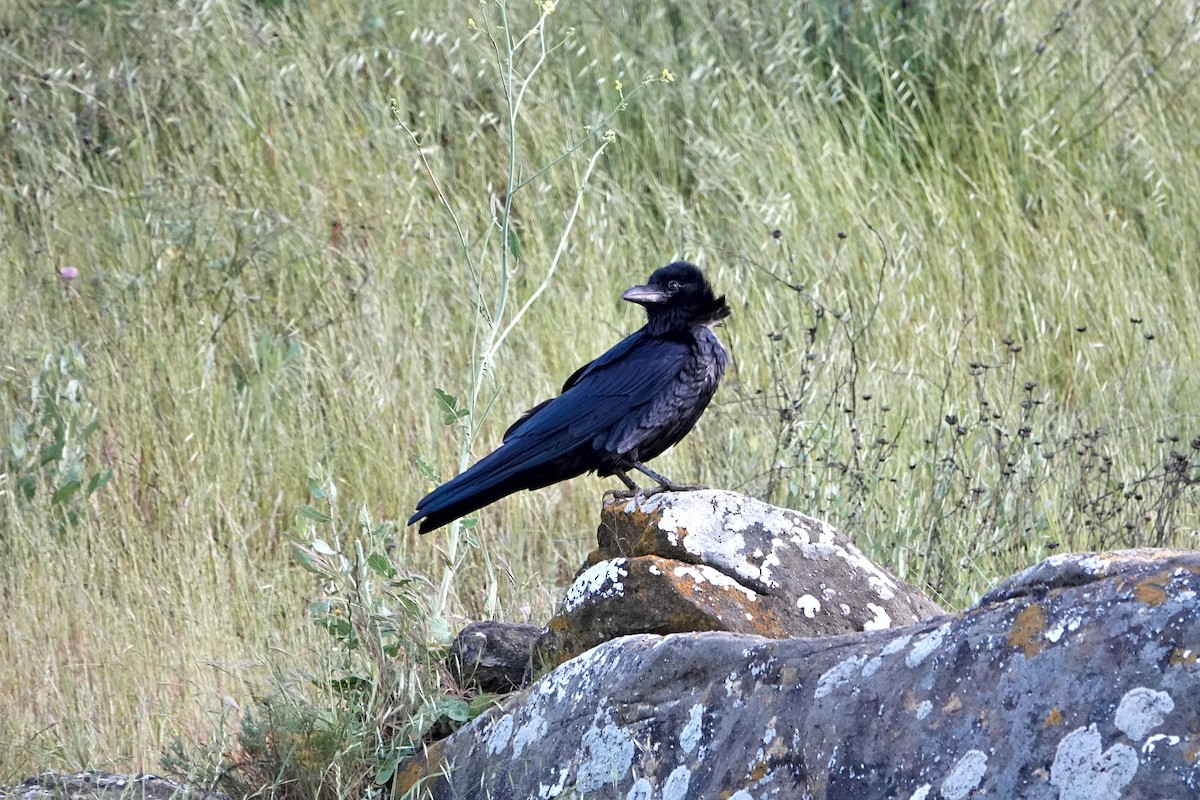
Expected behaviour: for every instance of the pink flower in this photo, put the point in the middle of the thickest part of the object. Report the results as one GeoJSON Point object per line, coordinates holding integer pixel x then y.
{"type": "Point", "coordinates": [68, 273]}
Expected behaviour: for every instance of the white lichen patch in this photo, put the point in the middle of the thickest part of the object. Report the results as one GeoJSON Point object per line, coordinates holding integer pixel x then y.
{"type": "Point", "coordinates": [965, 775]}
{"type": "Point", "coordinates": [531, 732]}
{"type": "Point", "coordinates": [599, 582]}
{"type": "Point", "coordinates": [836, 675]}
{"type": "Point", "coordinates": [714, 522]}
{"type": "Point", "coordinates": [1159, 738]}
{"type": "Point", "coordinates": [880, 582]}
{"type": "Point", "coordinates": [889, 649]}
{"type": "Point", "coordinates": [548, 790]}
{"type": "Point", "coordinates": [500, 735]}
{"type": "Point", "coordinates": [1082, 772]}
{"type": "Point", "coordinates": [702, 573]}
{"type": "Point", "coordinates": [921, 793]}
{"type": "Point", "coordinates": [924, 708]}
{"type": "Point", "coordinates": [582, 676]}
{"type": "Point", "coordinates": [642, 789]}
{"type": "Point", "coordinates": [926, 645]}
{"type": "Point", "coordinates": [809, 605]}
{"type": "Point", "coordinates": [883, 587]}
{"type": "Point", "coordinates": [881, 621]}
{"type": "Point", "coordinates": [1142, 710]}
{"type": "Point", "coordinates": [676, 785]}
{"type": "Point", "coordinates": [769, 734]}
{"type": "Point", "coordinates": [689, 737]}
{"type": "Point", "coordinates": [1055, 632]}
{"type": "Point", "coordinates": [606, 751]}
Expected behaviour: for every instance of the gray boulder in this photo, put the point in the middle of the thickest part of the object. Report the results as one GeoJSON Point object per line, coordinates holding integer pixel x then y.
{"type": "Point", "coordinates": [1077, 680]}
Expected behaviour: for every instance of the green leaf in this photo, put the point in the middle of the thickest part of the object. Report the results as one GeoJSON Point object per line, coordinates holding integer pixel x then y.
{"type": "Point", "coordinates": [439, 629]}
{"type": "Point", "coordinates": [316, 515]}
{"type": "Point", "coordinates": [387, 766]}
{"type": "Point", "coordinates": [382, 564]}
{"type": "Point", "coordinates": [482, 702]}
{"type": "Point", "coordinates": [338, 628]}
{"type": "Point", "coordinates": [51, 453]}
{"type": "Point", "coordinates": [427, 471]}
{"type": "Point", "coordinates": [302, 558]}
{"type": "Point", "coordinates": [349, 683]}
{"type": "Point", "coordinates": [97, 481]}
{"type": "Point", "coordinates": [448, 403]}
{"type": "Point", "coordinates": [453, 708]}
{"type": "Point", "coordinates": [65, 492]}
{"type": "Point", "coordinates": [315, 489]}
{"type": "Point", "coordinates": [514, 244]}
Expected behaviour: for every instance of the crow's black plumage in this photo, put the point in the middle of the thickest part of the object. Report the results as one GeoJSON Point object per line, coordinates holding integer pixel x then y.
{"type": "Point", "coordinates": [623, 409]}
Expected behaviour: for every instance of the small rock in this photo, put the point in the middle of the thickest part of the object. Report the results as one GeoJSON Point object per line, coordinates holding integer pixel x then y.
{"type": "Point", "coordinates": [493, 656]}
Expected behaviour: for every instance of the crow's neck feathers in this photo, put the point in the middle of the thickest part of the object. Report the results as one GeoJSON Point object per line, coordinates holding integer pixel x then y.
{"type": "Point", "coordinates": [703, 309]}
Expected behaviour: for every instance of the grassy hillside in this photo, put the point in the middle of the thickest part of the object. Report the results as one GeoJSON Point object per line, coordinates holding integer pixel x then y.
{"type": "Point", "coordinates": [243, 244]}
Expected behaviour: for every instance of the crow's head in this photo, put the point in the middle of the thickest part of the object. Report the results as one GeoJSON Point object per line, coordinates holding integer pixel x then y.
{"type": "Point", "coordinates": [676, 297]}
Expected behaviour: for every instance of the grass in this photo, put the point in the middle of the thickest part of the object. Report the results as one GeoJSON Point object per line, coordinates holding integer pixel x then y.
{"type": "Point", "coordinates": [959, 250]}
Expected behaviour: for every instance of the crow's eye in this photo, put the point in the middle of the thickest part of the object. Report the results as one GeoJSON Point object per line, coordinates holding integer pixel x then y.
{"type": "Point", "coordinates": [673, 286]}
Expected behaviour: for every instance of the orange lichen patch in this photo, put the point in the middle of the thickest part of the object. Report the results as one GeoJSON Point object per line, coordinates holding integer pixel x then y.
{"type": "Point", "coordinates": [1150, 592]}
{"type": "Point", "coordinates": [1192, 752]}
{"type": "Point", "coordinates": [625, 533]}
{"type": "Point", "coordinates": [1181, 657]}
{"type": "Point", "coordinates": [910, 700]}
{"type": "Point", "coordinates": [955, 703]}
{"type": "Point", "coordinates": [1055, 717]}
{"type": "Point", "coordinates": [418, 769]}
{"type": "Point", "coordinates": [759, 771]}
{"type": "Point", "coordinates": [1027, 630]}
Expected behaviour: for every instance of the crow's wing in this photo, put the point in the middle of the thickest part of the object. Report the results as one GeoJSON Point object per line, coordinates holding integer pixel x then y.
{"type": "Point", "coordinates": [569, 434]}
{"type": "Point", "coordinates": [612, 392]}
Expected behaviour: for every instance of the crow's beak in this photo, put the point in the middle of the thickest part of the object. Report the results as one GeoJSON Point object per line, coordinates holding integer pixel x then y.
{"type": "Point", "coordinates": [644, 295]}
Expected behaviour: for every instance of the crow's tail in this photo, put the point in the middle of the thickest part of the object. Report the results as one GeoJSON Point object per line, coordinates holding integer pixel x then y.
{"type": "Point", "coordinates": [499, 474]}
{"type": "Point", "coordinates": [462, 495]}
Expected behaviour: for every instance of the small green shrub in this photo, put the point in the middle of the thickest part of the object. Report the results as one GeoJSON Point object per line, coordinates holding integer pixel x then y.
{"type": "Point", "coordinates": [47, 458]}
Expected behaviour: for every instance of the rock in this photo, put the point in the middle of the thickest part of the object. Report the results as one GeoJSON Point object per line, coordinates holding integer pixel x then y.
{"type": "Point", "coordinates": [717, 561]}
{"type": "Point", "coordinates": [1082, 684]}
{"type": "Point", "coordinates": [97, 785]}
{"type": "Point", "coordinates": [493, 656]}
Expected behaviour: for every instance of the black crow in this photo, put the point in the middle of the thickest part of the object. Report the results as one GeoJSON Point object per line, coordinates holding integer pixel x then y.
{"type": "Point", "coordinates": [623, 409]}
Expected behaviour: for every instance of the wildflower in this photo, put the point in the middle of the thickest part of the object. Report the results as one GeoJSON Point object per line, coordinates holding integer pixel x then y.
{"type": "Point", "coordinates": [548, 6]}
{"type": "Point", "coordinates": [471, 23]}
{"type": "Point", "coordinates": [667, 76]}
{"type": "Point", "coordinates": [68, 274]}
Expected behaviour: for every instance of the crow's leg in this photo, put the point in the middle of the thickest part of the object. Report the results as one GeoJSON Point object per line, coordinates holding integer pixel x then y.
{"type": "Point", "coordinates": [633, 489]}
{"type": "Point", "coordinates": [664, 485]}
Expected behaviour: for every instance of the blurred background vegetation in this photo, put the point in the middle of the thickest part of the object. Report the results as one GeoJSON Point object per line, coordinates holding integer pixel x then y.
{"type": "Point", "coordinates": [959, 239]}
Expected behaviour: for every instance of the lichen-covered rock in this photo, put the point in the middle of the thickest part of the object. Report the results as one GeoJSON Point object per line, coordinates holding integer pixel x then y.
{"type": "Point", "coordinates": [97, 785]}
{"type": "Point", "coordinates": [713, 560]}
{"type": "Point", "coordinates": [1087, 689]}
